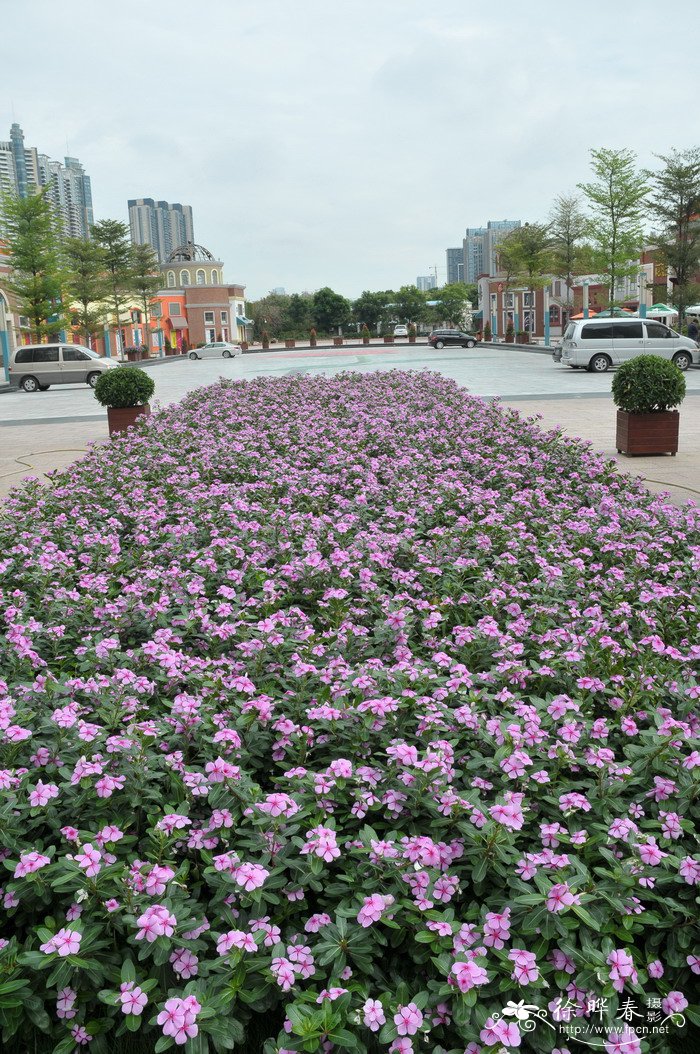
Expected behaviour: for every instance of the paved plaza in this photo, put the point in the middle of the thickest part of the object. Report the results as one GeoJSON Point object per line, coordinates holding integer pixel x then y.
{"type": "Point", "coordinates": [48, 430]}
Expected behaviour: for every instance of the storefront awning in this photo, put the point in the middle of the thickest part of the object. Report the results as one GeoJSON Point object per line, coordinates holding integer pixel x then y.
{"type": "Point", "coordinates": [241, 320]}
{"type": "Point", "coordinates": [179, 323]}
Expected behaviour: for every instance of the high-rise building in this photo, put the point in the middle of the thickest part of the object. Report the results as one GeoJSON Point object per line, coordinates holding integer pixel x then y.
{"type": "Point", "coordinates": [163, 226]}
{"type": "Point", "coordinates": [455, 266]}
{"type": "Point", "coordinates": [479, 247]}
{"type": "Point", "coordinates": [23, 170]}
{"type": "Point", "coordinates": [426, 282]}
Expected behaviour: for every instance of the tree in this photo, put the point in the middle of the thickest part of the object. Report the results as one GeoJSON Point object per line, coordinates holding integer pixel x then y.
{"type": "Point", "coordinates": [146, 280]}
{"type": "Point", "coordinates": [299, 311]}
{"type": "Point", "coordinates": [372, 309]}
{"type": "Point", "coordinates": [84, 286]}
{"type": "Point", "coordinates": [36, 279]}
{"type": "Point", "coordinates": [451, 303]}
{"type": "Point", "coordinates": [330, 309]}
{"type": "Point", "coordinates": [409, 304]}
{"type": "Point", "coordinates": [675, 202]}
{"type": "Point", "coordinates": [112, 237]}
{"type": "Point", "coordinates": [567, 228]}
{"type": "Point", "coordinates": [269, 313]}
{"type": "Point", "coordinates": [525, 253]}
{"type": "Point", "coordinates": [615, 230]}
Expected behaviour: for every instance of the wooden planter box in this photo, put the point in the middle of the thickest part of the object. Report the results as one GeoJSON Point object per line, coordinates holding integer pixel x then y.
{"type": "Point", "coordinates": [412, 340]}
{"type": "Point", "coordinates": [639, 434]}
{"type": "Point", "coordinates": [523, 338]}
{"type": "Point", "coordinates": [290, 344]}
{"type": "Point", "coordinates": [337, 342]}
{"type": "Point", "coordinates": [510, 338]}
{"type": "Point", "coordinates": [388, 340]}
{"type": "Point", "coordinates": [119, 418]}
{"type": "Point", "coordinates": [244, 345]}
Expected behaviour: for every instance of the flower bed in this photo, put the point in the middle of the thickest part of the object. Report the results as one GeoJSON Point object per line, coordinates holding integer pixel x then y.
{"type": "Point", "coordinates": [351, 709]}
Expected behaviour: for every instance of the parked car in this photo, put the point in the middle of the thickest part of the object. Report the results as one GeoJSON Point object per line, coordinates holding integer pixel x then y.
{"type": "Point", "coordinates": [216, 349]}
{"type": "Point", "coordinates": [400, 331]}
{"type": "Point", "coordinates": [35, 367]}
{"type": "Point", "coordinates": [441, 338]}
{"type": "Point", "coordinates": [596, 344]}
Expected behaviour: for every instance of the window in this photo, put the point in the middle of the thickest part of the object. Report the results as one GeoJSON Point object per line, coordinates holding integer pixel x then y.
{"type": "Point", "coordinates": [627, 331]}
{"type": "Point", "coordinates": [184, 277]}
{"type": "Point", "coordinates": [510, 300]}
{"type": "Point", "coordinates": [556, 288]}
{"type": "Point", "coordinates": [240, 309]}
{"type": "Point", "coordinates": [156, 310]}
{"type": "Point", "coordinates": [201, 277]}
{"type": "Point", "coordinates": [47, 354]}
{"type": "Point", "coordinates": [528, 300]}
{"type": "Point", "coordinates": [215, 278]}
{"type": "Point", "coordinates": [596, 332]}
{"type": "Point", "coordinates": [553, 315]}
{"type": "Point", "coordinates": [529, 321]}
{"type": "Point", "coordinates": [74, 355]}
{"type": "Point", "coordinates": [494, 303]}
{"type": "Point", "coordinates": [136, 317]}
{"type": "Point", "coordinates": [224, 317]}
{"type": "Point", "coordinates": [174, 309]}
{"type": "Point", "coordinates": [171, 279]}
{"type": "Point", "coordinates": [25, 355]}
{"type": "Point", "coordinates": [208, 317]}
{"type": "Point", "coordinates": [656, 330]}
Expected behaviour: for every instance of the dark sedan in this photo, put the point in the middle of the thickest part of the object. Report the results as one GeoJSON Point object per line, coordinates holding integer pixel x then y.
{"type": "Point", "coordinates": [441, 338]}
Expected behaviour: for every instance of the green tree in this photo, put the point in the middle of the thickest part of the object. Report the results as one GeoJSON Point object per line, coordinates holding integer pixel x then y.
{"type": "Point", "coordinates": [451, 303]}
{"type": "Point", "coordinates": [36, 280]}
{"type": "Point", "coordinates": [299, 313]}
{"type": "Point", "coordinates": [410, 304]}
{"type": "Point", "coordinates": [567, 226]}
{"type": "Point", "coordinates": [330, 309]}
{"type": "Point", "coordinates": [526, 251]}
{"type": "Point", "coordinates": [372, 309]}
{"type": "Point", "coordinates": [270, 313]}
{"type": "Point", "coordinates": [112, 237]}
{"type": "Point", "coordinates": [615, 230]}
{"type": "Point", "coordinates": [674, 203]}
{"type": "Point", "coordinates": [146, 280]}
{"type": "Point", "coordinates": [83, 261]}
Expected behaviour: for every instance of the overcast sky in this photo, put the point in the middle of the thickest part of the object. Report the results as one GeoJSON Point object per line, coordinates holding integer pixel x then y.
{"type": "Point", "coordinates": [345, 142]}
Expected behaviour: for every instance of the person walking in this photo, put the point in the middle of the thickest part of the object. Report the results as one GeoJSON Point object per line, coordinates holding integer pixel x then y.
{"type": "Point", "coordinates": [693, 330]}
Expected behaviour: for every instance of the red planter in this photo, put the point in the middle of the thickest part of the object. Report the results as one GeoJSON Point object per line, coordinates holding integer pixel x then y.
{"type": "Point", "coordinates": [119, 418]}
{"type": "Point", "coordinates": [388, 340]}
{"type": "Point", "coordinates": [510, 338]}
{"type": "Point", "coordinates": [640, 434]}
{"type": "Point", "coordinates": [337, 342]}
{"type": "Point", "coordinates": [290, 344]}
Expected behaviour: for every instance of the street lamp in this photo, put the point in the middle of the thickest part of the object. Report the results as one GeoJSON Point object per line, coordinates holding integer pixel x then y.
{"type": "Point", "coordinates": [642, 286]}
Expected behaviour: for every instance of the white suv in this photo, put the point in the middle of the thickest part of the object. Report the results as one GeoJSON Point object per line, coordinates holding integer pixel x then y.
{"type": "Point", "coordinates": [596, 344]}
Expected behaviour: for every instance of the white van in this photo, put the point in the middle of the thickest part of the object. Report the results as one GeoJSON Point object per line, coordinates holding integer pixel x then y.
{"type": "Point", "coordinates": [596, 344]}
{"type": "Point", "coordinates": [35, 367]}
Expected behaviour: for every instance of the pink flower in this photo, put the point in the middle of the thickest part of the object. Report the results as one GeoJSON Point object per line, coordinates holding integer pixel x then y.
{"type": "Point", "coordinates": [178, 1019]}
{"type": "Point", "coordinates": [42, 794]}
{"type": "Point", "coordinates": [408, 1019]}
{"type": "Point", "coordinates": [133, 999]}
{"type": "Point", "coordinates": [495, 1032]}
{"type": "Point", "coordinates": [655, 969]}
{"type": "Point", "coordinates": [372, 908]}
{"type": "Point", "coordinates": [321, 841]}
{"type": "Point", "coordinates": [625, 1042]}
{"type": "Point", "coordinates": [468, 975]}
{"type": "Point", "coordinates": [155, 922]}
{"type": "Point", "coordinates": [373, 1013]}
{"type": "Point", "coordinates": [184, 963]}
{"type": "Point", "coordinates": [65, 942]}
{"type": "Point", "coordinates": [674, 1003]}
{"type": "Point", "coordinates": [30, 862]}
{"type": "Point", "coordinates": [235, 939]}
{"type": "Point", "coordinates": [560, 897]}
{"type": "Point", "coordinates": [250, 876]}
{"type": "Point", "coordinates": [525, 969]}
{"type": "Point", "coordinates": [64, 1003]}
{"type": "Point", "coordinates": [89, 860]}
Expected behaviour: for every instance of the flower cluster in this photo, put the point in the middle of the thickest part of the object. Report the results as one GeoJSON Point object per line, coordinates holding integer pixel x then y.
{"type": "Point", "coordinates": [346, 705]}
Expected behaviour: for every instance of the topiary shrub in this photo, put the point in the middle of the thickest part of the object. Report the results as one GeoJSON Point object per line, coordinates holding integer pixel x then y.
{"type": "Point", "coordinates": [487, 331]}
{"type": "Point", "coordinates": [265, 339]}
{"type": "Point", "coordinates": [126, 386]}
{"type": "Point", "coordinates": [648, 384]}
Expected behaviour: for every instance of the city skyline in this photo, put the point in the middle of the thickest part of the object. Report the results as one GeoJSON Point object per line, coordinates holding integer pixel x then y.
{"type": "Point", "coordinates": [343, 145]}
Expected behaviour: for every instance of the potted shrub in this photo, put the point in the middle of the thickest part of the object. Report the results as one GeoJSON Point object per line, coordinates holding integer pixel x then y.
{"type": "Point", "coordinates": [510, 333]}
{"type": "Point", "coordinates": [125, 392]}
{"type": "Point", "coordinates": [412, 333]}
{"type": "Point", "coordinates": [487, 331]}
{"type": "Point", "coordinates": [244, 345]}
{"type": "Point", "coordinates": [265, 339]}
{"type": "Point", "coordinates": [365, 335]}
{"type": "Point", "coordinates": [337, 342]}
{"type": "Point", "coordinates": [289, 343]}
{"type": "Point", "coordinates": [312, 338]}
{"type": "Point", "coordinates": [645, 390]}
{"type": "Point", "coordinates": [523, 336]}
{"type": "Point", "coordinates": [388, 340]}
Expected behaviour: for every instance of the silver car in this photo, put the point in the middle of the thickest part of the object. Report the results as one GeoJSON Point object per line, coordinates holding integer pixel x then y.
{"type": "Point", "coordinates": [35, 367]}
{"type": "Point", "coordinates": [216, 349]}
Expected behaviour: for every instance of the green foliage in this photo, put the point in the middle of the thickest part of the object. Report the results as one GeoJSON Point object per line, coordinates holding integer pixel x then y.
{"type": "Point", "coordinates": [330, 309]}
{"type": "Point", "coordinates": [648, 384]}
{"type": "Point", "coordinates": [146, 280]}
{"type": "Point", "coordinates": [36, 271]}
{"type": "Point", "coordinates": [112, 237]}
{"type": "Point", "coordinates": [124, 386]}
{"type": "Point", "coordinates": [373, 309]}
{"type": "Point", "coordinates": [567, 227]}
{"type": "Point", "coordinates": [83, 261]}
{"type": "Point", "coordinates": [526, 255]}
{"type": "Point", "coordinates": [615, 230]}
{"type": "Point", "coordinates": [674, 202]}
{"type": "Point", "coordinates": [410, 304]}
{"type": "Point", "coordinates": [451, 303]}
